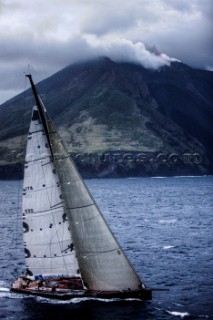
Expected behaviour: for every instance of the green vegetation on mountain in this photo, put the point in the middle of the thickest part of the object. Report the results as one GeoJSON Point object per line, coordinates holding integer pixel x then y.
{"type": "Point", "coordinates": [102, 107]}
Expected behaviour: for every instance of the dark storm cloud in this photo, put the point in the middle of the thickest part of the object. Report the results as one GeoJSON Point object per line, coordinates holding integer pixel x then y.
{"type": "Point", "coordinates": [49, 36]}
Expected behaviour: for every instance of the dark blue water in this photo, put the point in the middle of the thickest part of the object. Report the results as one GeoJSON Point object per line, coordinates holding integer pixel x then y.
{"type": "Point", "coordinates": [165, 227]}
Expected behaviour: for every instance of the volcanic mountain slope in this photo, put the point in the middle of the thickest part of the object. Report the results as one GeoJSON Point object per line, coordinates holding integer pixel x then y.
{"type": "Point", "coordinates": [104, 107]}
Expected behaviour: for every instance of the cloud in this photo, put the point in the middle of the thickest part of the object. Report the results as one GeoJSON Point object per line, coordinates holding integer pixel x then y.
{"type": "Point", "coordinates": [45, 56]}
{"type": "Point", "coordinates": [125, 50]}
{"type": "Point", "coordinates": [51, 35]}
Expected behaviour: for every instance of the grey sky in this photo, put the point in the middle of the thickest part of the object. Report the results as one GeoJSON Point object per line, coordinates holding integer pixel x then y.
{"type": "Point", "coordinates": [49, 35]}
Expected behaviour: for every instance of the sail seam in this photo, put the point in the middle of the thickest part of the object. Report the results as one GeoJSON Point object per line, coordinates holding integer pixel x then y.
{"type": "Point", "coordinates": [53, 257]}
{"type": "Point", "coordinates": [53, 268]}
{"type": "Point", "coordinates": [42, 189]}
{"type": "Point", "coordinates": [62, 242]}
{"type": "Point", "coordinates": [57, 204]}
{"type": "Point", "coordinates": [88, 205]}
{"type": "Point", "coordinates": [100, 252]}
{"type": "Point", "coordinates": [47, 211]}
{"type": "Point", "coordinates": [46, 163]}
{"type": "Point", "coordinates": [61, 158]}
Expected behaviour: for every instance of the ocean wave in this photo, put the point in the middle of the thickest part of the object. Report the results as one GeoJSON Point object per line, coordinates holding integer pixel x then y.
{"type": "Point", "coordinates": [159, 177]}
{"type": "Point", "coordinates": [168, 247]}
{"type": "Point", "coordinates": [4, 289]}
{"type": "Point", "coordinates": [80, 300]}
{"type": "Point", "coordinates": [188, 177]}
{"type": "Point", "coordinates": [167, 221]}
{"type": "Point", "coordinates": [179, 314]}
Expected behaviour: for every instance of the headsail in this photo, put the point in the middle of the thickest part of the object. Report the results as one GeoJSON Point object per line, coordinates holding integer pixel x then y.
{"type": "Point", "coordinates": [102, 262]}
{"type": "Point", "coordinates": [48, 243]}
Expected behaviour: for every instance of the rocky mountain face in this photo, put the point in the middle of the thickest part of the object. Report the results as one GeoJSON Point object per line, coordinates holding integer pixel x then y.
{"type": "Point", "coordinates": [119, 119]}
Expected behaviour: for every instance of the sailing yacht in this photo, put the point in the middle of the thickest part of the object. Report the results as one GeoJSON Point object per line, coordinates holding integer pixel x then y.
{"type": "Point", "coordinates": [70, 250]}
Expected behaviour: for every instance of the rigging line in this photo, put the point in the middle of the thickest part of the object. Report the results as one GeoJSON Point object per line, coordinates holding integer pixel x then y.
{"type": "Point", "coordinates": [20, 182]}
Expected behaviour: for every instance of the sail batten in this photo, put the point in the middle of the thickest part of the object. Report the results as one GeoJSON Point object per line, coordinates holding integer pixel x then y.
{"type": "Point", "coordinates": [31, 162]}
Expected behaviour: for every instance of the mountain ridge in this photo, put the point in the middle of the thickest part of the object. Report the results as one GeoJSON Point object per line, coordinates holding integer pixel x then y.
{"type": "Point", "coordinates": [102, 106]}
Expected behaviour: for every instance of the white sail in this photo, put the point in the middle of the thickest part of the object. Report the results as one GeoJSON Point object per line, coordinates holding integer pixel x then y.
{"type": "Point", "coordinates": [48, 243]}
{"type": "Point", "coordinates": [65, 234]}
{"type": "Point", "coordinates": [102, 262]}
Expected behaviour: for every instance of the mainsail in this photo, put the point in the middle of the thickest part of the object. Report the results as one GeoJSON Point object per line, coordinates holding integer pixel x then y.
{"type": "Point", "coordinates": [48, 243]}
{"type": "Point", "coordinates": [102, 263]}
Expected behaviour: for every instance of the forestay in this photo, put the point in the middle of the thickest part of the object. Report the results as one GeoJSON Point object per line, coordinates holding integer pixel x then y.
{"type": "Point", "coordinates": [102, 262]}
{"type": "Point", "coordinates": [48, 243]}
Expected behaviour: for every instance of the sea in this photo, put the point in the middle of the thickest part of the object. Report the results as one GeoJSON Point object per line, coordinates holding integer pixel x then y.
{"type": "Point", "coordinates": [165, 226]}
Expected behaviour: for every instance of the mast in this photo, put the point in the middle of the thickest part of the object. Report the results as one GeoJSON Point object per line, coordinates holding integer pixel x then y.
{"type": "Point", "coordinates": [40, 108]}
